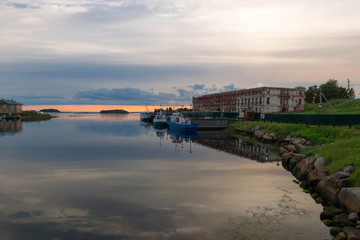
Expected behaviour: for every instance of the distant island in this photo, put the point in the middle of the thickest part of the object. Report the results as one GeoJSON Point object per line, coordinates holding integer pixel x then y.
{"type": "Point", "coordinates": [50, 110]}
{"type": "Point", "coordinates": [114, 111]}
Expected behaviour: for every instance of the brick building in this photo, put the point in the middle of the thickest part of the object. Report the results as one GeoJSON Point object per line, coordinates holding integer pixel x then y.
{"type": "Point", "coordinates": [10, 106]}
{"type": "Point", "coordinates": [259, 100]}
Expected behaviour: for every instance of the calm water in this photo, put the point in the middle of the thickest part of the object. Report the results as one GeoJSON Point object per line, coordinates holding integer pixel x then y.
{"type": "Point", "coordinates": [109, 177]}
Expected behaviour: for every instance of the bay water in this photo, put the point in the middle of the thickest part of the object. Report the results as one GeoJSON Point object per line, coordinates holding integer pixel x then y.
{"type": "Point", "coordinates": [93, 176]}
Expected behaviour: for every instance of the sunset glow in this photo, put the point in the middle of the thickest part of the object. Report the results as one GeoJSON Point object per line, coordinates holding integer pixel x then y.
{"type": "Point", "coordinates": [96, 108]}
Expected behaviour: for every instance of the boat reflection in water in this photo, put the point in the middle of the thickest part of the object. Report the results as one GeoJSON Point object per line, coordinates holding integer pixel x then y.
{"type": "Point", "coordinates": [10, 127]}
{"type": "Point", "coordinates": [179, 138]}
{"type": "Point", "coordinates": [237, 146]}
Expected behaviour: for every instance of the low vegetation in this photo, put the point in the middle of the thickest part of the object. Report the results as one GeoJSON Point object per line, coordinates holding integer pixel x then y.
{"type": "Point", "coordinates": [34, 116]}
{"type": "Point", "coordinates": [114, 111]}
{"type": "Point", "coordinates": [339, 145]}
{"type": "Point", "coordinates": [52, 110]}
{"type": "Point", "coordinates": [341, 106]}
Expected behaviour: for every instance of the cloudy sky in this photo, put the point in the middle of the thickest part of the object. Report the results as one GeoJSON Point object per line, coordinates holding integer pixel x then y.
{"type": "Point", "coordinates": [150, 52]}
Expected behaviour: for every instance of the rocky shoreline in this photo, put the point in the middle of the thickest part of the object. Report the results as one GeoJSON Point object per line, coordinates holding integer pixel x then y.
{"type": "Point", "coordinates": [341, 202]}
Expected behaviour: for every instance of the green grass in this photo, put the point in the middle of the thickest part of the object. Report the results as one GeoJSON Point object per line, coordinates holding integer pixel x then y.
{"type": "Point", "coordinates": [340, 145]}
{"type": "Point", "coordinates": [341, 106]}
{"type": "Point", "coordinates": [34, 116]}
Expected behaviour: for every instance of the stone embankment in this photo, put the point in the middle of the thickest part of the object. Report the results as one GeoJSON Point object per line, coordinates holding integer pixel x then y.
{"type": "Point", "coordinates": [341, 202]}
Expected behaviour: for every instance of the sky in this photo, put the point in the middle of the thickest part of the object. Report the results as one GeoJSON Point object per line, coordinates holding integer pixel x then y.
{"type": "Point", "coordinates": [152, 52]}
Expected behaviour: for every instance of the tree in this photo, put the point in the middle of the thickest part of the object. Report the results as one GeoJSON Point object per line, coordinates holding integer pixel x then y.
{"type": "Point", "coordinates": [312, 95]}
{"type": "Point", "coordinates": [330, 89]}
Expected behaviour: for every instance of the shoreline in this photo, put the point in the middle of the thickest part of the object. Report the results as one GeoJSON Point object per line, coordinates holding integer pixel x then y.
{"type": "Point", "coordinates": [341, 202]}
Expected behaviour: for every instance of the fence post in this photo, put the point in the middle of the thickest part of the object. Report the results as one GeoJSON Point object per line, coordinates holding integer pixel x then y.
{"type": "Point", "coordinates": [350, 124]}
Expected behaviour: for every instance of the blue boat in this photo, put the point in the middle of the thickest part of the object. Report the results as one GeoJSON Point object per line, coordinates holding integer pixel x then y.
{"type": "Point", "coordinates": [178, 122]}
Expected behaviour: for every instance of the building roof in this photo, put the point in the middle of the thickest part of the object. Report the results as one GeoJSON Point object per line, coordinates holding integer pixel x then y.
{"type": "Point", "coordinates": [11, 102]}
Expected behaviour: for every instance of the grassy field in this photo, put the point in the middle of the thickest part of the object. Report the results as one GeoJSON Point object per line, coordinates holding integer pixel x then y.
{"type": "Point", "coordinates": [341, 106]}
{"type": "Point", "coordinates": [340, 145]}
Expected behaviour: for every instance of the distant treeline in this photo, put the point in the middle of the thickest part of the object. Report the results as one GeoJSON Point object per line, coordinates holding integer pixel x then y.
{"type": "Point", "coordinates": [114, 111]}
{"type": "Point", "coordinates": [50, 110]}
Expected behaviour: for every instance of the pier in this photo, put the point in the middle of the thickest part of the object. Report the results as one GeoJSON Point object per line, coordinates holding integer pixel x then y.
{"type": "Point", "coordinates": [212, 123]}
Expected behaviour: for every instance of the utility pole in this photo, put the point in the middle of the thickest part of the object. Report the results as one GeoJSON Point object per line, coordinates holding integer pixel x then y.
{"type": "Point", "coordinates": [320, 104]}
{"type": "Point", "coordinates": [348, 84]}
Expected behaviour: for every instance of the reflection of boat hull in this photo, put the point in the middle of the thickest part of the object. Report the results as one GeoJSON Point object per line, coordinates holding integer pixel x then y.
{"type": "Point", "coordinates": [183, 135]}
{"type": "Point", "coordinates": [160, 125]}
{"type": "Point", "coordinates": [145, 119]}
{"type": "Point", "coordinates": [187, 128]}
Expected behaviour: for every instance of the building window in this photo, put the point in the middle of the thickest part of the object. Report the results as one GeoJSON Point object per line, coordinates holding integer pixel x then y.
{"type": "Point", "coordinates": [299, 101]}
{"type": "Point", "coordinates": [268, 100]}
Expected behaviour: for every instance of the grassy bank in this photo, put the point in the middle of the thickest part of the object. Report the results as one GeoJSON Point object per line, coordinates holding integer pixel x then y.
{"type": "Point", "coordinates": [34, 116]}
{"type": "Point", "coordinates": [341, 106]}
{"type": "Point", "coordinates": [340, 145]}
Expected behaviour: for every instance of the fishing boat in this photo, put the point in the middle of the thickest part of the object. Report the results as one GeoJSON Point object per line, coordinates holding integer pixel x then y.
{"type": "Point", "coordinates": [146, 117]}
{"type": "Point", "coordinates": [160, 120]}
{"type": "Point", "coordinates": [179, 123]}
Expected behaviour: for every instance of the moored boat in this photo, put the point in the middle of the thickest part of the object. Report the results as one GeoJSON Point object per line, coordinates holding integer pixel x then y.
{"type": "Point", "coordinates": [179, 123]}
{"type": "Point", "coordinates": [146, 117]}
{"type": "Point", "coordinates": [160, 120]}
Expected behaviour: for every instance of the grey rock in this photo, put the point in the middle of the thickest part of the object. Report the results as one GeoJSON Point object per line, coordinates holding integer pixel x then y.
{"type": "Point", "coordinates": [267, 138]}
{"type": "Point", "coordinates": [291, 148]}
{"type": "Point", "coordinates": [357, 222]}
{"type": "Point", "coordinates": [349, 198]}
{"type": "Point", "coordinates": [340, 236]}
{"type": "Point", "coordinates": [288, 139]}
{"type": "Point", "coordinates": [354, 217]}
{"type": "Point", "coordinates": [319, 162]}
{"type": "Point", "coordinates": [352, 233]}
{"type": "Point", "coordinates": [297, 141]}
{"type": "Point", "coordinates": [340, 175]}
{"type": "Point", "coordinates": [300, 147]}
{"type": "Point", "coordinates": [283, 150]}
{"type": "Point", "coordinates": [349, 169]}
{"type": "Point", "coordinates": [342, 220]}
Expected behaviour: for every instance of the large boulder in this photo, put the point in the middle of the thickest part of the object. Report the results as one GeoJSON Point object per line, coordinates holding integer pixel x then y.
{"type": "Point", "coordinates": [303, 168]}
{"type": "Point", "coordinates": [328, 189]}
{"type": "Point", "coordinates": [297, 141]}
{"type": "Point", "coordinates": [295, 160]}
{"type": "Point", "coordinates": [316, 175]}
{"type": "Point", "coordinates": [341, 179]}
{"type": "Point", "coordinates": [349, 198]}
{"type": "Point", "coordinates": [291, 148]}
{"type": "Point", "coordinates": [320, 162]}
{"type": "Point", "coordinates": [352, 233]}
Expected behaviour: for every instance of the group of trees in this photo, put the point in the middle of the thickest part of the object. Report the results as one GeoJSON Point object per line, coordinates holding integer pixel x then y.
{"type": "Point", "coordinates": [330, 89]}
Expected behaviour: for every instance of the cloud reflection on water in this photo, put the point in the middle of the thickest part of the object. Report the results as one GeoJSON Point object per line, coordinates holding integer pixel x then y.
{"type": "Point", "coordinates": [82, 184]}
